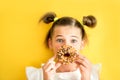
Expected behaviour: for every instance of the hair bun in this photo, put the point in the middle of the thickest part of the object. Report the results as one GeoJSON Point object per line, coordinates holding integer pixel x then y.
{"type": "Point", "coordinates": [48, 17]}
{"type": "Point", "coordinates": [89, 21]}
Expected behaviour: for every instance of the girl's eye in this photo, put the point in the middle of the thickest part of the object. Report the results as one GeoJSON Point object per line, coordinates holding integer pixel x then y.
{"type": "Point", "coordinates": [73, 41]}
{"type": "Point", "coordinates": [59, 40]}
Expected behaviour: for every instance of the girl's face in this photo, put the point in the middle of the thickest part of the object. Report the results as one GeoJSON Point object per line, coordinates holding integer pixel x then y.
{"type": "Point", "coordinates": [66, 35]}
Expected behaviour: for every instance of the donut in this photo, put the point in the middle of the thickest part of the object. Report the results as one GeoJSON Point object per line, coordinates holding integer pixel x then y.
{"type": "Point", "coordinates": [66, 54]}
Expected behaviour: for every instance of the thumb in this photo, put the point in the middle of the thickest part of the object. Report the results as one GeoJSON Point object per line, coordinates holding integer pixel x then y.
{"type": "Point", "coordinates": [52, 58]}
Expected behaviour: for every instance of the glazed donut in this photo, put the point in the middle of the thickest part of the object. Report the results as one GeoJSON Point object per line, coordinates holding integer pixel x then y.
{"type": "Point", "coordinates": [66, 54]}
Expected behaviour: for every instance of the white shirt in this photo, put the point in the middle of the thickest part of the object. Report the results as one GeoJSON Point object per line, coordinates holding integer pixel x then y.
{"type": "Point", "coordinates": [37, 74]}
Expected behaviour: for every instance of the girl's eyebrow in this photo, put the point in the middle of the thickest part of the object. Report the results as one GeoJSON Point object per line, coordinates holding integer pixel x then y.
{"type": "Point", "coordinates": [59, 36]}
{"type": "Point", "coordinates": [75, 36]}
{"type": "Point", "coordinates": [71, 36]}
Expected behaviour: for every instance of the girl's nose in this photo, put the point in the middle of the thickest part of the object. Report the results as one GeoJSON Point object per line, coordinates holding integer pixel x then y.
{"type": "Point", "coordinates": [66, 43]}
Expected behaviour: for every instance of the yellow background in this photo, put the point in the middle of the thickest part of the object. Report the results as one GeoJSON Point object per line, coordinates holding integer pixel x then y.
{"type": "Point", "coordinates": [21, 37]}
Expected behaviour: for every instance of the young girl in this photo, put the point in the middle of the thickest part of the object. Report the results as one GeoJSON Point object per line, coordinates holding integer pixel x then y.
{"type": "Point", "coordinates": [65, 31]}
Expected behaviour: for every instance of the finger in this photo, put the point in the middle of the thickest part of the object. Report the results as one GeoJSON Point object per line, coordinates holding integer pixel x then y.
{"type": "Point", "coordinates": [50, 67]}
{"type": "Point", "coordinates": [49, 61]}
{"type": "Point", "coordinates": [82, 62]}
{"type": "Point", "coordinates": [52, 58]}
{"type": "Point", "coordinates": [46, 65]}
{"type": "Point", "coordinates": [85, 60]}
{"type": "Point", "coordinates": [57, 65]}
{"type": "Point", "coordinates": [82, 68]}
{"type": "Point", "coordinates": [81, 56]}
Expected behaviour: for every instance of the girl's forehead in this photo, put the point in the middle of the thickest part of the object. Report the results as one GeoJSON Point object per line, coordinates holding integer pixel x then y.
{"type": "Point", "coordinates": [66, 30]}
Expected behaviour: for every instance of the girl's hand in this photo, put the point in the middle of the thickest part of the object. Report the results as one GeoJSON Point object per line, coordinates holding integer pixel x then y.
{"type": "Point", "coordinates": [50, 68]}
{"type": "Point", "coordinates": [84, 66]}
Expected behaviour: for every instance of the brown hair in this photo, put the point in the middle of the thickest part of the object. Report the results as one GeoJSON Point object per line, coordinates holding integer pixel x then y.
{"type": "Point", "coordinates": [49, 17]}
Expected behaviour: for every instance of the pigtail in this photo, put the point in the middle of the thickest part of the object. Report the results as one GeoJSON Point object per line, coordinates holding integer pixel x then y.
{"type": "Point", "coordinates": [89, 21]}
{"type": "Point", "coordinates": [48, 17]}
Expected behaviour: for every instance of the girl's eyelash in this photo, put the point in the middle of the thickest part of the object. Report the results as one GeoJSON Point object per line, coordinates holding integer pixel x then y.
{"type": "Point", "coordinates": [59, 40]}
{"type": "Point", "coordinates": [62, 40]}
{"type": "Point", "coordinates": [74, 40]}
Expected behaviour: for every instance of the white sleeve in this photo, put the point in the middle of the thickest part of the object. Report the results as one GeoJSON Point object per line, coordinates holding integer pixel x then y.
{"type": "Point", "coordinates": [33, 73]}
{"type": "Point", "coordinates": [95, 75]}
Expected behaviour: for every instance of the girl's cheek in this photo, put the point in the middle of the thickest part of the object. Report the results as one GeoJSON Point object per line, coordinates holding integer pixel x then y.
{"type": "Point", "coordinates": [77, 46]}
{"type": "Point", "coordinates": [57, 46]}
